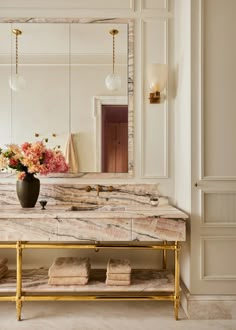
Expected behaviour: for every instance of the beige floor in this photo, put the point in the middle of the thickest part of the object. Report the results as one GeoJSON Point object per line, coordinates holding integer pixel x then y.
{"type": "Point", "coordinates": [103, 316]}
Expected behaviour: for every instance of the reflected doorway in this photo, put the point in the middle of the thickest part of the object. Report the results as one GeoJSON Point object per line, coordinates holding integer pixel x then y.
{"type": "Point", "coordinates": [114, 138]}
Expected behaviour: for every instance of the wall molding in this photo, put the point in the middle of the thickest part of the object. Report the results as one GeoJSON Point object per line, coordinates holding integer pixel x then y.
{"type": "Point", "coordinates": [144, 8]}
{"type": "Point", "coordinates": [143, 97]}
{"type": "Point", "coordinates": [208, 307]}
{"type": "Point", "coordinates": [201, 97]}
{"type": "Point", "coordinates": [204, 277]}
{"type": "Point", "coordinates": [218, 178]}
{"type": "Point", "coordinates": [215, 224]}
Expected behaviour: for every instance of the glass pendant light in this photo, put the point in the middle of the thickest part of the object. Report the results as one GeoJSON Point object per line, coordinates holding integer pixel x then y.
{"type": "Point", "coordinates": [16, 80]}
{"type": "Point", "coordinates": [113, 80]}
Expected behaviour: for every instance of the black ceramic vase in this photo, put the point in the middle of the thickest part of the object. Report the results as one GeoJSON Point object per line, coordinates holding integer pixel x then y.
{"type": "Point", "coordinates": [28, 190]}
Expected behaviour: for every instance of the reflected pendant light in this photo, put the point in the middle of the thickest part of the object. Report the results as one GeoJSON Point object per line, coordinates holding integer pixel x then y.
{"type": "Point", "coordinates": [16, 80]}
{"type": "Point", "coordinates": [113, 80]}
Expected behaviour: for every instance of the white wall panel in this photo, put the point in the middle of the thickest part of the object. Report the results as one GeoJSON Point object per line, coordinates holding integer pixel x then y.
{"type": "Point", "coordinates": [219, 209]}
{"type": "Point", "coordinates": [154, 116]}
{"type": "Point", "coordinates": [216, 257]}
{"type": "Point", "coordinates": [154, 4]}
{"type": "Point", "coordinates": [219, 88]}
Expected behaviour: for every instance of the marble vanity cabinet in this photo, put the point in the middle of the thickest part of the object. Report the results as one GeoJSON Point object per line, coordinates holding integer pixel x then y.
{"type": "Point", "coordinates": [77, 218]}
{"type": "Point", "coordinates": [107, 227]}
{"type": "Point", "coordinates": [120, 224]}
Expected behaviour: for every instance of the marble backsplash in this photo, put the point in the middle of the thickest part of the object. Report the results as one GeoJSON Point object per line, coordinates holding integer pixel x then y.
{"type": "Point", "coordinates": [56, 194]}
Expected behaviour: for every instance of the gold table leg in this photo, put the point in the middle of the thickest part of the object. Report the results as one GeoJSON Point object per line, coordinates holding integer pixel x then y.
{"type": "Point", "coordinates": [176, 301]}
{"type": "Point", "coordinates": [18, 280]}
{"type": "Point", "coordinates": [164, 256]}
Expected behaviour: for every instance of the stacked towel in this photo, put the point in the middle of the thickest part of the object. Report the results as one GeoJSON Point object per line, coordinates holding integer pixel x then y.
{"type": "Point", "coordinates": [118, 272]}
{"type": "Point", "coordinates": [69, 271]}
{"type": "Point", "coordinates": [3, 267]}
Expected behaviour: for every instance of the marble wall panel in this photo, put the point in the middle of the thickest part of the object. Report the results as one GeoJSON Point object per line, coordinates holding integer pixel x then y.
{"type": "Point", "coordinates": [125, 194]}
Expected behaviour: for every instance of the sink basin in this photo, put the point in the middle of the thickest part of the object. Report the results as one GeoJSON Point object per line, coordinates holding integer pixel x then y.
{"type": "Point", "coordinates": [100, 208]}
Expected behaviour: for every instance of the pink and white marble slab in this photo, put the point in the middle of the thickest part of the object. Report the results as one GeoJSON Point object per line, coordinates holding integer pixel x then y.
{"type": "Point", "coordinates": [158, 229]}
{"type": "Point", "coordinates": [142, 281]}
{"type": "Point", "coordinates": [119, 223]}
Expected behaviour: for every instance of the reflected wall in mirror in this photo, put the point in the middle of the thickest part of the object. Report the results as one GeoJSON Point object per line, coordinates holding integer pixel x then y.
{"type": "Point", "coordinates": [65, 63]}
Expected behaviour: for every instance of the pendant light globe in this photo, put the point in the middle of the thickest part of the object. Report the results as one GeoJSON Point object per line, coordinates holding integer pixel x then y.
{"type": "Point", "coordinates": [113, 80]}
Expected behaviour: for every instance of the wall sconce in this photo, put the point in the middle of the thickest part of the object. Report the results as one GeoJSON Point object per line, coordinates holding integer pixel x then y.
{"type": "Point", "coordinates": [157, 79]}
{"type": "Point", "coordinates": [16, 80]}
{"type": "Point", "coordinates": [113, 80]}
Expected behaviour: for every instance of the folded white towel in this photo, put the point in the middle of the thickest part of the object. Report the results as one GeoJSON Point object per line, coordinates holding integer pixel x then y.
{"type": "Point", "coordinates": [72, 280]}
{"type": "Point", "coordinates": [119, 277]}
{"type": "Point", "coordinates": [69, 266]}
{"type": "Point", "coordinates": [118, 266]}
{"type": "Point", "coordinates": [115, 282]}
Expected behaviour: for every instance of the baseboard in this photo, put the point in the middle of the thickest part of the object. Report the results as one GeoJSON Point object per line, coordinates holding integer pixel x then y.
{"type": "Point", "coordinates": [208, 307]}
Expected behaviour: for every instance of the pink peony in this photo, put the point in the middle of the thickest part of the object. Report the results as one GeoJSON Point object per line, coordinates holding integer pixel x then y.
{"type": "Point", "coordinates": [33, 158]}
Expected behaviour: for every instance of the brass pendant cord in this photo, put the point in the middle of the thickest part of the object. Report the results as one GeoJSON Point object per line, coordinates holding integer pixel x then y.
{"type": "Point", "coordinates": [113, 55]}
{"type": "Point", "coordinates": [113, 33]}
{"type": "Point", "coordinates": [16, 53]}
{"type": "Point", "coordinates": [17, 33]}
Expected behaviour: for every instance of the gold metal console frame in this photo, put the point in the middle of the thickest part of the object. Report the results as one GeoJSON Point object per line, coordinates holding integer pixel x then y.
{"type": "Point", "coordinates": [20, 296]}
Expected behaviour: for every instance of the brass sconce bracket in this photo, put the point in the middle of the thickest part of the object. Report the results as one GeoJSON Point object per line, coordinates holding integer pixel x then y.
{"type": "Point", "coordinates": [155, 97]}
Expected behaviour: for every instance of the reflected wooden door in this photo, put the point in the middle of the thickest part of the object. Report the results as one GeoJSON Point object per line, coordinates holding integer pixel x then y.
{"type": "Point", "coordinates": [115, 142]}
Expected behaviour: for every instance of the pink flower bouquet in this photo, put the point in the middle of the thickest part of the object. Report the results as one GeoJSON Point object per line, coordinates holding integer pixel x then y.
{"type": "Point", "coordinates": [32, 158]}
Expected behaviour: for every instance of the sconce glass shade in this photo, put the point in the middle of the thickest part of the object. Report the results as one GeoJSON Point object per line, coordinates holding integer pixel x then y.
{"type": "Point", "coordinates": [17, 82]}
{"type": "Point", "coordinates": [113, 82]}
{"type": "Point", "coordinates": [157, 77]}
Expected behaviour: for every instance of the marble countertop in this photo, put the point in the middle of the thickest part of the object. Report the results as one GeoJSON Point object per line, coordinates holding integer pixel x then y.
{"type": "Point", "coordinates": [112, 211]}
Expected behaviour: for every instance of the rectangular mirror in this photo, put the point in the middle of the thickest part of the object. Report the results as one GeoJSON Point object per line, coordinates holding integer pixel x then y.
{"type": "Point", "coordinates": [66, 98]}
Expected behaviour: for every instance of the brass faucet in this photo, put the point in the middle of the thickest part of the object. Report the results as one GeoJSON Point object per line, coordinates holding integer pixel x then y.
{"type": "Point", "coordinates": [98, 188]}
